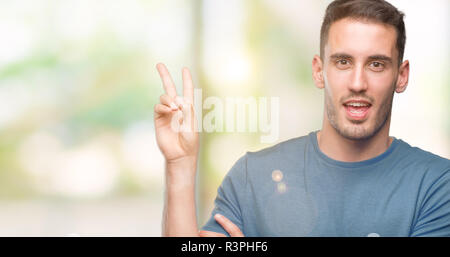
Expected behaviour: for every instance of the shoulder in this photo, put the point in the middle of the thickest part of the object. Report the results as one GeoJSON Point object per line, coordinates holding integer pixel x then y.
{"type": "Point", "coordinates": [433, 202]}
{"type": "Point", "coordinates": [422, 157]}
{"type": "Point", "coordinates": [289, 148]}
{"type": "Point", "coordinates": [285, 156]}
{"type": "Point", "coordinates": [430, 165]}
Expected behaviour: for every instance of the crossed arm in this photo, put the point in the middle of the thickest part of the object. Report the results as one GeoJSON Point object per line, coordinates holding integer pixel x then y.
{"type": "Point", "coordinates": [180, 144]}
{"type": "Point", "coordinates": [229, 226]}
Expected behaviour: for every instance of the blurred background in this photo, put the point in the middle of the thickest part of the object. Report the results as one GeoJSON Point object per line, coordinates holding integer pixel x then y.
{"type": "Point", "coordinates": [78, 84]}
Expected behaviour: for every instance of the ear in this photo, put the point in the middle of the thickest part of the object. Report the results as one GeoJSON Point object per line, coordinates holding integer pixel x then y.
{"type": "Point", "coordinates": [317, 68]}
{"type": "Point", "coordinates": [403, 77]}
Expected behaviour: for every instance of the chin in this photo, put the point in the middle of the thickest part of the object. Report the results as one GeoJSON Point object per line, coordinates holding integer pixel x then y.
{"type": "Point", "coordinates": [362, 129]}
{"type": "Point", "coordinates": [357, 131]}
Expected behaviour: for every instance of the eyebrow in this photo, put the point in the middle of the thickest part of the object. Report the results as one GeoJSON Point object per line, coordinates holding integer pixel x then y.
{"type": "Point", "coordinates": [340, 56]}
{"type": "Point", "coordinates": [378, 57]}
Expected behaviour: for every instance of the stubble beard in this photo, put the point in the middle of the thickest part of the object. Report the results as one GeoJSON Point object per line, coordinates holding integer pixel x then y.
{"type": "Point", "coordinates": [356, 130]}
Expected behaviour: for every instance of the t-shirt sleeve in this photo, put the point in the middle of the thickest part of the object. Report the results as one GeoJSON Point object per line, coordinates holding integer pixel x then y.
{"type": "Point", "coordinates": [434, 215]}
{"type": "Point", "coordinates": [230, 196]}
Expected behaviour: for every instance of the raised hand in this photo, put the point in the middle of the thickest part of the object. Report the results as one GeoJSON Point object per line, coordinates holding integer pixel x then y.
{"type": "Point", "coordinates": [177, 138]}
{"type": "Point", "coordinates": [175, 122]}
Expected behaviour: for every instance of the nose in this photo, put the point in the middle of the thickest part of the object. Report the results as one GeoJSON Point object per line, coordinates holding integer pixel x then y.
{"type": "Point", "coordinates": [358, 81]}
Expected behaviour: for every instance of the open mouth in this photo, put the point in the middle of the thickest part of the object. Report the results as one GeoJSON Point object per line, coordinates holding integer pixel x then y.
{"type": "Point", "coordinates": [357, 109]}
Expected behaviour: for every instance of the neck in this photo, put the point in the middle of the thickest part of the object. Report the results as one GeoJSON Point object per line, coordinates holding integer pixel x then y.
{"type": "Point", "coordinates": [339, 148]}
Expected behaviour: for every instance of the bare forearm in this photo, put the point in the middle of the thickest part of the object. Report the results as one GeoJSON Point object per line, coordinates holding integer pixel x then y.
{"type": "Point", "coordinates": [179, 215]}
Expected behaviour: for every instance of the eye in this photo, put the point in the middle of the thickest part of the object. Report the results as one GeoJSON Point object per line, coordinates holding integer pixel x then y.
{"type": "Point", "coordinates": [342, 64]}
{"type": "Point", "coordinates": [376, 66]}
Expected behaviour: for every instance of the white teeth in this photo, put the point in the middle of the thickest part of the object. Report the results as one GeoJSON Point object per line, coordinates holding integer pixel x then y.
{"type": "Point", "coordinates": [357, 104]}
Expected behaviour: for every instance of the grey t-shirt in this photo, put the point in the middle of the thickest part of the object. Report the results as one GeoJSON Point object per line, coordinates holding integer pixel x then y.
{"type": "Point", "coordinates": [293, 189]}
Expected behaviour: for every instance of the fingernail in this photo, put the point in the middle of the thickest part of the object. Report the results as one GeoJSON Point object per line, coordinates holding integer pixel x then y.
{"type": "Point", "coordinates": [173, 106]}
{"type": "Point", "coordinates": [218, 216]}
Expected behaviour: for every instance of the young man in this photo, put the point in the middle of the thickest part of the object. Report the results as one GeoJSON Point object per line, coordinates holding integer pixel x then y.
{"type": "Point", "coordinates": [348, 179]}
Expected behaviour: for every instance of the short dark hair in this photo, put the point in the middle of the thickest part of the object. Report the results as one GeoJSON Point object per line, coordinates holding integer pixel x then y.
{"type": "Point", "coordinates": [370, 10]}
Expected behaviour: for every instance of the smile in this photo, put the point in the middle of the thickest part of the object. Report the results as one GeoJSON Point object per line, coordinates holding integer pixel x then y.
{"type": "Point", "coordinates": [357, 109]}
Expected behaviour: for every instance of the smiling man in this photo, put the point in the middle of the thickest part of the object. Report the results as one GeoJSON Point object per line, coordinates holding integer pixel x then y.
{"type": "Point", "coordinates": [348, 179]}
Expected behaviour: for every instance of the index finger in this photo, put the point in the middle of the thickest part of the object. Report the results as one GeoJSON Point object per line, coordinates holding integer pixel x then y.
{"type": "Point", "coordinates": [168, 84]}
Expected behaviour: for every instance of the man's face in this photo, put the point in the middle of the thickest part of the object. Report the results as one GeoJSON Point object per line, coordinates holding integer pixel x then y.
{"type": "Point", "coordinates": [360, 73]}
